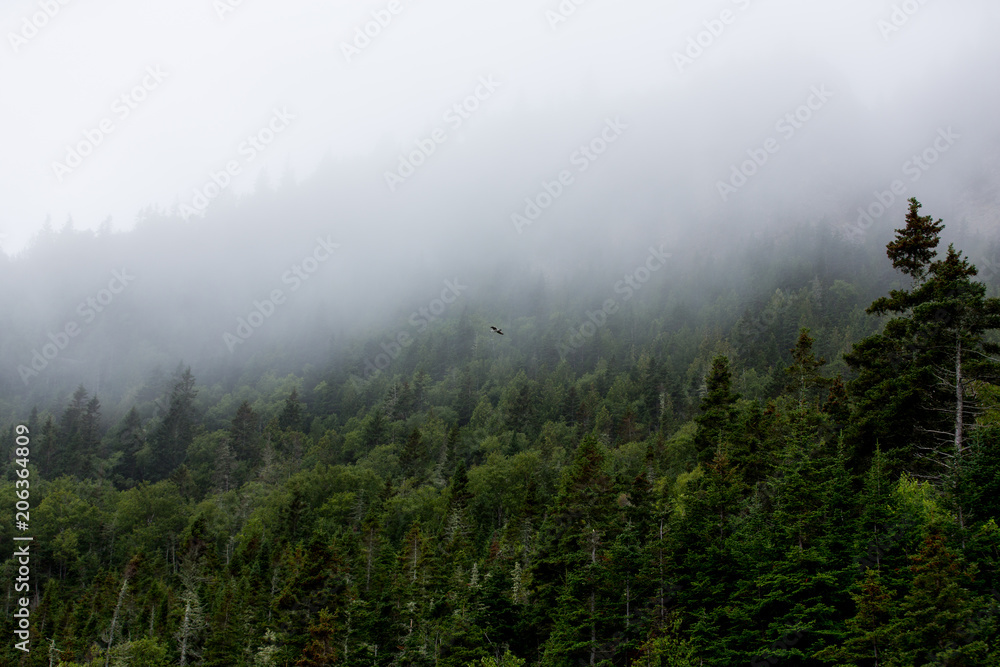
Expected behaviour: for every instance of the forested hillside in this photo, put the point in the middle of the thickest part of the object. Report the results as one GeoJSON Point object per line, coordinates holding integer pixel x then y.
{"type": "Point", "coordinates": [799, 468]}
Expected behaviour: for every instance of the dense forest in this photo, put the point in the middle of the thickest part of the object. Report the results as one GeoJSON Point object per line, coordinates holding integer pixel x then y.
{"type": "Point", "coordinates": [806, 472]}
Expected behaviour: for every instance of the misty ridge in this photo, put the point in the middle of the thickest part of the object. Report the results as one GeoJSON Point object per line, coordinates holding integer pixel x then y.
{"type": "Point", "coordinates": [355, 252]}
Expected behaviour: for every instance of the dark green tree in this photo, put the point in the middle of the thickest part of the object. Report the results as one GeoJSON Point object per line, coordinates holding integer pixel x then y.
{"type": "Point", "coordinates": [803, 375]}
{"type": "Point", "coordinates": [868, 633]}
{"type": "Point", "coordinates": [913, 248]}
{"type": "Point", "coordinates": [912, 378]}
{"type": "Point", "coordinates": [574, 596]}
{"type": "Point", "coordinates": [130, 438]}
{"type": "Point", "coordinates": [414, 454]}
{"type": "Point", "coordinates": [934, 623]}
{"type": "Point", "coordinates": [244, 434]}
{"type": "Point", "coordinates": [174, 434]}
{"type": "Point", "coordinates": [72, 454]}
{"type": "Point", "coordinates": [717, 410]}
{"type": "Point", "coordinates": [290, 418]}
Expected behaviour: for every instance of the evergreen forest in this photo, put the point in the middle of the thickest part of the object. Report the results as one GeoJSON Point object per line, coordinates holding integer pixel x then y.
{"type": "Point", "coordinates": [803, 470]}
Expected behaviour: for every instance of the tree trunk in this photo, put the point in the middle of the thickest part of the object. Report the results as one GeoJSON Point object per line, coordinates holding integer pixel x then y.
{"type": "Point", "coordinates": [369, 557]}
{"type": "Point", "coordinates": [593, 632]}
{"type": "Point", "coordinates": [959, 398]}
{"type": "Point", "coordinates": [185, 631]}
{"type": "Point", "coordinates": [114, 621]}
{"type": "Point", "coordinates": [593, 607]}
{"type": "Point", "coordinates": [660, 558]}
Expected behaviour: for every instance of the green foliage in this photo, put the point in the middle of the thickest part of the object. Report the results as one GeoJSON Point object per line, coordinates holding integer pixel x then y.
{"type": "Point", "coordinates": [508, 659]}
{"type": "Point", "coordinates": [913, 378]}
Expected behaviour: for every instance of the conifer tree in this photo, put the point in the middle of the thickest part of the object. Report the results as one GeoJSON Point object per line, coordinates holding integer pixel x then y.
{"type": "Point", "coordinates": [869, 635]}
{"type": "Point", "coordinates": [718, 410]}
{"type": "Point", "coordinates": [912, 378]}
{"type": "Point", "coordinates": [175, 433]}
{"type": "Point", "coordinates": [701, 562]}
{"type": "Point", "coordinates": [879, 529]}
{"type": "Point", "coordinates": [913, 248]}
{"type": "Point", "coordinates": [954, 316]}
{"type": "Point", "coordinates": [290, 418]}
{"type": "Point", "coordinates": [129, 440]}
{"type": "Point", "coordinates": [192, 624]}
{"type": "Point", "coordinates": [321, 649]}
{"type": "Point", "coordinates": [413, 456]}
{"type": "Point", "coordinates": [803, 375]}
{"type": "Point", "coordinates": [634, 565]}
{"type": "Point", "coordinates": [48, 445]}
{"type": "Point", "coordinates": [244, 434]}
{"type": "Point", "coordinates": [574, 596]}
{"type": "Point", "coordinates": [72, 454]}
{"type": "Point", "coordinates": [933, 622]}
{"type": "Point", "coordinates": [224, 468]}
{"type": "Point", "coordinates": [34, 422]}
{"type": "Point", "coordinates": [836, 404]}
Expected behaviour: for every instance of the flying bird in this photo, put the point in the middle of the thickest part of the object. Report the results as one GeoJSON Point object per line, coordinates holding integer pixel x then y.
{"type": "Point", "coordinates": [497, 330]}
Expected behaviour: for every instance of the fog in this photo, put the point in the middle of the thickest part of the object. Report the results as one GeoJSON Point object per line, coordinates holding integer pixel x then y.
{"type": "Point", "coordinates": [179, 164]}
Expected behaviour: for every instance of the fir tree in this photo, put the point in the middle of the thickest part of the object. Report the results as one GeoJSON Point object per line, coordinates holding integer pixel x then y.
{"type": "Point", "coordinates": [172, 437]}
{"type": "Point", "coordinates": [932, 623]}
{"type": "Point", "coordinates": [803, 375]}
{"type": "Point", "coordinates": [244, 434]}
{"type": "Point", "coordinates": [290, 418]}
{"type": "Point", "coordinates": [913, 377]}
{"type": "Point", "coordinates": [129, 440]}
{"type": "Point", "coordinates": [868, 633]}
{"type": "Point", "coordinates": [717, 409]}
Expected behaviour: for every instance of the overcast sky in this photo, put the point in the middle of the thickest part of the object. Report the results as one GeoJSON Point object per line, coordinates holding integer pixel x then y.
{"type": "Point", "coordinates": [200, 76]}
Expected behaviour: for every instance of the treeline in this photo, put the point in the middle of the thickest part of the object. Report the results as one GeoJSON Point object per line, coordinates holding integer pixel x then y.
{"type": "Point", "coordinates": [814, 486]}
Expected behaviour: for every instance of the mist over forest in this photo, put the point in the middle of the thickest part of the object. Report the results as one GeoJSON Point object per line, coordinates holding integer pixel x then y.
{"type": "Point", "coordinates": [500, 334]}
{"type": "Point", "coordinates": [193, 279]}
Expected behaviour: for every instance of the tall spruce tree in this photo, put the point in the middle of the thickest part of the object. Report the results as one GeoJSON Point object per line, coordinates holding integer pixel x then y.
{"type": "Point", "coordinates": [934, 623]}
{"type": "Point", "coordinates": [290, 418]}
{"type": "Point", "coordinates": [72, 453]}
{"type": "Point", "coordinates": [575, 592]}
{"type": "Point", "coordinates": [911, 388]}
{"type": "Point", "coordinates": [176, 432]}
{"type": "Point", "coordinates": [804, 378]}
{"type": "Point", "coordinates": [244, 434]}
{"type": "Point", "coordinates": [718, 409]}
{"type": "Point", "coordinates": [130, 438]}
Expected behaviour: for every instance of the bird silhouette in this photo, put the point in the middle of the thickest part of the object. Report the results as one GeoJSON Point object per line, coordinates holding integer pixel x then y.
{"type": "Point", "coordinates": [496, 330]}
